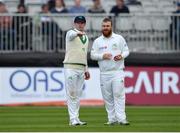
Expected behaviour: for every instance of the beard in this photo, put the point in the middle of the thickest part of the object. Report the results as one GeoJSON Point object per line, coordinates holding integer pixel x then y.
{"type": "Point", "coordinates": [107, 33]}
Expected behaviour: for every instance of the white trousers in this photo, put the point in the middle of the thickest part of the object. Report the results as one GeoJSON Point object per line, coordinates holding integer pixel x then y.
{"type": "Point", "coordinates": [113, 92]}
{"type": "Point", "coordinates": [74, 80]}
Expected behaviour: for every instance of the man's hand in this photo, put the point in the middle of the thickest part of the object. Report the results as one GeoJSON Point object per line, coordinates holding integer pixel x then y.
{"type": "Point", "coordinates": [87, 75]}
{"type": "Point", "coordinates": [80, 33]}
{"type": "Point", "coordinates": [117, 57]}
{"type": "Point", "coordinates": [107, 56]}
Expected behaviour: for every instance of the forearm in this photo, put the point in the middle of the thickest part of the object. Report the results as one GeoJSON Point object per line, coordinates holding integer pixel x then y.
{"type": "Point", "coordinates": [72, 35]}
{"type": "Point", "coordinates": [96, 56]}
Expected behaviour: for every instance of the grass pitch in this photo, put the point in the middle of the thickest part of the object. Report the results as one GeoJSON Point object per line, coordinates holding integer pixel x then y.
{"type": "Point", "coordinates": [55, 119]}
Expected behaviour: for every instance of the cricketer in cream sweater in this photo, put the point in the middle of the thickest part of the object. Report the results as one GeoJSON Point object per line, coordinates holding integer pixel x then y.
{"type": "Point", "coordinates": [76, 50]}
{"type": "Point", "coordinates": [75, 68]}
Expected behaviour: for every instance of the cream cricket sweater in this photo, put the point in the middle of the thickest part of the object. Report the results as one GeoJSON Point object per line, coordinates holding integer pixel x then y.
{"type": "Point", "coordinates": [76, 50]}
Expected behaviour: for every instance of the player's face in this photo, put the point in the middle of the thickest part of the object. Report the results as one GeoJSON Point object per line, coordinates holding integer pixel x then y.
{"type": "Point", "coordinates": [107, 29]}
{"type": "Point", "coordinates": [80, 26]}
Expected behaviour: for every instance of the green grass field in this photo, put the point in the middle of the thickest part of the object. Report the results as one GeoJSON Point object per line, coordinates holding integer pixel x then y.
{"type": "Point", "coordinates": [46, 119]}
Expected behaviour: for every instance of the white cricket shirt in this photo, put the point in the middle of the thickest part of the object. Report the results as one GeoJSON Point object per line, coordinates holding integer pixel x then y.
{"type": "Point", "coordinates": [115, 45]}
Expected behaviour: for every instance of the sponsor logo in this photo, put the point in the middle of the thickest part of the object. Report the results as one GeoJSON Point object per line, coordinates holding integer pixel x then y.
{"type": "Point", "coordinates": [114, 47]}
{"type": "Point", "coordinates": [158, 83]}
{"type": "Point", "coordinates": [102, 48]}
{"type": "Point", "coordinates": [22, 81]}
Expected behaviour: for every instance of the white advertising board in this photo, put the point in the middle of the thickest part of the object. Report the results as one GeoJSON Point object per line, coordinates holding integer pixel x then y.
{"type": "Point", "coordinates": [32, 85]}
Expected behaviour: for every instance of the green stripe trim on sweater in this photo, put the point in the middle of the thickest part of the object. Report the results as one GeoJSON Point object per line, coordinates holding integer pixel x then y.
{"type": "Point", "coordinates": [83, 40]}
